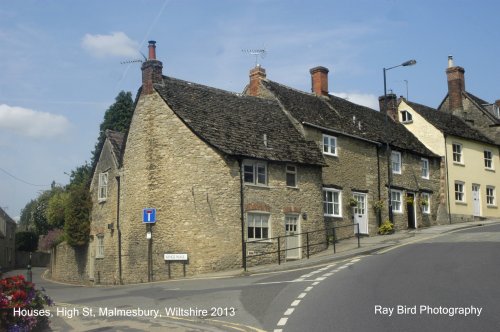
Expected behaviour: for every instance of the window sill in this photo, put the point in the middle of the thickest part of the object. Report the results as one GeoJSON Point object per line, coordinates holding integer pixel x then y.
{"type": "Point", "coordinates": [102, 200]}
{"type": "Point", "coordinates": [398, 173]}
{"type": "Point", "coordinates": [330, 154]}
{"type": "Point", "coordinates": [332, 216]}
{"type": "Point", "coordinates": [397, 212]}
{"type": "Point", "coordinates": [294, 188]}
{"type": "Point", "coordinates": [491, 206]}
{"type": "Point", "coordinates": [489, 169]}
{"type": "Point", "coordinates": [460, 203]}
{"type": "Point", "coordinates": [257, 185]}
{"type": "Point", "coordinates": [458, 164]}
{"type": "Point", "coordinates": [259, 241]}
{"type": "Point", "coordinates": [425, 178]}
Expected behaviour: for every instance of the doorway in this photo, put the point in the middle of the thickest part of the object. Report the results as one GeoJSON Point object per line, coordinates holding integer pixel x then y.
{"type": "Point", "coordinates": [360, 215]}
{"type": "Point", "coordinates": [292, 227]}
{"type": "Point", "coordinates": [410, 209]}
{"type": "Point", "coordinates": [476, 200]}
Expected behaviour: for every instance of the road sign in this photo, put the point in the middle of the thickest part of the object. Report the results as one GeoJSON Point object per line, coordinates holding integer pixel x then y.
{"type": "Point", "coordinates": [175, 257]}
{"type": "Point", "coordinates": [149, 216]}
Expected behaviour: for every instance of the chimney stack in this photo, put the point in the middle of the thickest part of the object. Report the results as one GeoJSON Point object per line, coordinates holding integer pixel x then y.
{"type": "Point", "coordinates": [257, 74]}
{"type": "Point", "coordinates": [456, 85]}
{"type": "Point", "coordinates": [319, 80]}
{"type": "Point", "coordinates": [392, 106]}
{"type": "Point", "coordinates": [151, 70]}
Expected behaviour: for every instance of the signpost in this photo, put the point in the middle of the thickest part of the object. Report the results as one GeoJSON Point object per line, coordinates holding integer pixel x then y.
{"type": "Point", "coordinates": [176, 258]}
{"type": "Point", "coordinates": [149, 219]}
{"type": "Point", "coordinates": [149, 216]}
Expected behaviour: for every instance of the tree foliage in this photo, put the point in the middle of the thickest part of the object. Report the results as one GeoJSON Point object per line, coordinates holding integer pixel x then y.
{"type": "Point", "coordinates": [26, 241]}
{"type": "Point", "coordinates": [77, 216]}
{"type": "Point", "coordinates": [117, 117]}
{"type": "Point", "coordinates": [56, 209]}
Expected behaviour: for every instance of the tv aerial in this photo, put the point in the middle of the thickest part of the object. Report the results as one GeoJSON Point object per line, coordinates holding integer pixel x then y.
{"type": "Point", "coordinates": [256, 52]}
{"type": "Point", "coordinates": [135, 61]}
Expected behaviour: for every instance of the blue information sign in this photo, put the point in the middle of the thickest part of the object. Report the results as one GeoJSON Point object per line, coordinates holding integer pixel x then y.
{"type": "Point", "coordinates": [149, 216]}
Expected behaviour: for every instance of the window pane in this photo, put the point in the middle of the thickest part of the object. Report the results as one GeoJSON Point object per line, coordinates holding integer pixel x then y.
{"type": "Point", "coordinates": [290, 180]}
{"type": "Point", "coordinates": [261, 174]}
{"type": "Point", "coordinates": [248, 173]}
{"type": "Point", "coordinates": [250, 233]}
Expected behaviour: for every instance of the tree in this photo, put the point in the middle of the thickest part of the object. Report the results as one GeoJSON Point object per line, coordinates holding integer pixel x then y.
{"type": "Point", "coordinates": [117, 117]}
{"type": "Point", "coordinates": [77, 216]}
{"type": "Point", "coordinates": [56, 208]}
{"type": "Point", "coordinates": [26, 241]}
{"type": "Point", "coordinates": [25, 220]}
{"type": "Point", "coordinates": [38, 215]}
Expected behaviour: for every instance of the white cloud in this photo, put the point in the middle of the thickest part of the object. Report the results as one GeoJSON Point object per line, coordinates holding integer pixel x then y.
{"type": "Point", "coordinates": [117, 44]}
{"type": "Point", "coordinates": [367, 100]}
{"type": "Point", "coordinates": [31, 123]}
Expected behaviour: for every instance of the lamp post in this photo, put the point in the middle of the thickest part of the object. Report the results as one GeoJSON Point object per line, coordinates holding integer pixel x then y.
{"type": "Point", "coordinates": [389, 166]}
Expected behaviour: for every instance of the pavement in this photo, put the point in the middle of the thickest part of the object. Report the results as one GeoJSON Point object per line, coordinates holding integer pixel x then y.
{"type": "Point", "coordinates": [345, 249]}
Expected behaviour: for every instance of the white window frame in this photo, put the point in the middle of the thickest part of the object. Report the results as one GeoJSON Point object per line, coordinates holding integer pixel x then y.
{"type": "Point", "coordinates": [335, 202]}
{"type": "Point", "coordinates": [102, 192]}
{"type": "Point", "coordinates": [256, 166]}
{"type": "Point", "coordinates": [426, 209]}
{"type": "Point", "coordinates": [292, 171]}
{"type": "Point", "coordinates": [406, 117]}
{"type": "Point", "coordinates": [330, 145]}
{"type": "Point", "coordinates": [426, 172]}
{"type": "Point", "coordinates": [257, 220]}
{"type": "Point", "coordinates": [459, 189]}
{"type": "Point", "coordinates": [99, 246]}
{"type": "Point", "coordinates": [458, 155]}
{"type": "Point", "coordinates": [398, 163]}
{"type": "Point", "coordinates": [491, 196]}
{"type": "Point", "coordinates": [397, 202]}
{"type": "Point", "coordinates": [488, 162]}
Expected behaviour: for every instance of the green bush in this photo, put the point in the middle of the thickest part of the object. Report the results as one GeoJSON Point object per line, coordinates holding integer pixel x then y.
{"type": "Point", "coordinates": [386, 228]}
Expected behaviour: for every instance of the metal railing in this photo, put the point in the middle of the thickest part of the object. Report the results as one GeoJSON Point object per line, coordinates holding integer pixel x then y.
{"type": "Point", "coordinates": [330, 237]}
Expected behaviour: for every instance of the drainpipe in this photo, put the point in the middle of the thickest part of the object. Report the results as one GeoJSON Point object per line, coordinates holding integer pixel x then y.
{"type": "Point", "coordinates": [119, 231]}
{"type": "Point", "coordinates": [379, 211]}
{"type": "Point", "coordinates": [242, 217]}
{"type": "Point", "coordinates": [447, 178]}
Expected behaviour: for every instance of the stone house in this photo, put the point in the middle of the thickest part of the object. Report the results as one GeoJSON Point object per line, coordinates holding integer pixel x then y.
{"type": "Point", "coordinates": [477, 113]}
{"type": "Point", "coordinates": [7, 241]}
{"type": "Point", "coordinates": [357, 144]}
{"type": "Point", "coordinates": [220, 169]}
{"type": "Point", "coordinates": [469, 158]}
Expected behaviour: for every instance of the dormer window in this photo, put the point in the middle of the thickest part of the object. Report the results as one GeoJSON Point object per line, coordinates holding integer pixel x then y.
{"type": "Point", "coordinates": [406, 117]}
{"type": "Point", "coordinates": [330, 145]}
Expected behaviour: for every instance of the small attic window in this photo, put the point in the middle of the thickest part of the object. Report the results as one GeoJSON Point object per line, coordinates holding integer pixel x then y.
{"type": "Point", "coordinates": [406, 117]}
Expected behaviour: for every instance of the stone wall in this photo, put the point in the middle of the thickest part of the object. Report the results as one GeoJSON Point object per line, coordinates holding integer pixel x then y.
{"type": "Point", "coordinates": [69, 264]}
{"type": "Point", "coordinates": [104, 213]}
{"type": "Point", "coordinates": [480, 121]}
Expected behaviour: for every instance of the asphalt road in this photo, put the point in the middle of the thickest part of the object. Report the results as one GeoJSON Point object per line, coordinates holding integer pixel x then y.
{"type": "Point", "coordinates": [454, 270]}
{"type": "Point", "coordinates": [424, 281]}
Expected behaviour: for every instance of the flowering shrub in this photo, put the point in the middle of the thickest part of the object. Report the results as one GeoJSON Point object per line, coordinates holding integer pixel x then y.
{"type": "Point", "coordinates": [52, 239]}
{"type": "Point", "coordinates": [20, 296]}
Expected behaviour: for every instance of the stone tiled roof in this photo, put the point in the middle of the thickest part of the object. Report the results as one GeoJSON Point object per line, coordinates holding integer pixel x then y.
{"type": "Point", "coordinates": [345, 117]}
{"type": "Point", "coordinates": [448, 123]}
{"type": "Point", "coordinates": [238, 125]}
{"type": "Point", "coordinates": [117, 140]}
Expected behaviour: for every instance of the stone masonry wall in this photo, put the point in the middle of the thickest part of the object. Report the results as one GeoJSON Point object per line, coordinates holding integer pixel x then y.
{"type": "Point", "coordinates": [105, 269]}
{"type": "Point", "coordinates": [69, 264]}
{"type": "Point", "coordinates": [194, 189]}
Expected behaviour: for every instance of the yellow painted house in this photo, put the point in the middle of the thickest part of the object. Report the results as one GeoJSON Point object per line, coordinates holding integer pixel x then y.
{"type": "Point", "coordinates": [470, 172]}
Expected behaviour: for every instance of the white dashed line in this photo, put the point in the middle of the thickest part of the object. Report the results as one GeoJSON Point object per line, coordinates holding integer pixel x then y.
{"type": "Point", "coordinates": [282, 321]}
{"type": "Point", "coordinates": [278, 330]}
{"type": "Point", "coordinates": [328, 274]}
{"type": "Point", "coordinates": [320, 278]}
{"type": "Point", "coordinates": [301, 295]}
{"type": "Point", "coordinates": [308, 289]}
{"type": "Point", "coordinates": [289, 311]}
{"type": "Point", "coordinates": [295, 303]}
{"type": "Point", "coordinates": [315, 283]}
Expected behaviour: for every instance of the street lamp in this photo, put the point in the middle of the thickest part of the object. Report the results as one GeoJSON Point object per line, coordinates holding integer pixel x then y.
{"type": "Point", "coordinates": [389, 168]}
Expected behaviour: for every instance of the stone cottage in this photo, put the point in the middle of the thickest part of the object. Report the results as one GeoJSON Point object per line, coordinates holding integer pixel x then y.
{"type": "Point", "coordinates": [7, 241]}
{"type": "Point", "coordinates": [369, 157]}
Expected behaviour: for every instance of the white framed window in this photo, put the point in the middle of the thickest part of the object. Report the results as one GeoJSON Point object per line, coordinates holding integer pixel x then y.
{"type": "Point", "coordinates": [396, 162]}
{"type": "Point", "coordinates": [332, 202]}
{"type": "Point", "coordinates": [457, 153]}
{"type": "Point", "coordinates": [255, 172]}
{"type": "Point", "coordinates": [397, 201]}
{"type": "Point", "coordinates": [406, 117]}
{"type": "Point", "coordinates": [425, 202]}
{"type": "Point", "coordinates": [102, 193]}
{"type": "Point", "coordinates": [425, 168]}
{"type": "Point", "coordinates": [99, 250]}
{"type": "Point", "coordinates": [258, 226]}
{"type": "Point", "coordinates": [459, 191]}
{"type": "Point", "coordinates": [488, 159]}
{"type": "Point", "coordinates": [330, 145]}
{"type": "Point", "coordinates": [490, 195]}
{"type": "Point", "coordinates": [291, 176]}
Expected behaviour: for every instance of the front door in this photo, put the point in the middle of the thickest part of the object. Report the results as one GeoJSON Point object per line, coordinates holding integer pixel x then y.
{"type": "Point", "coordinates": [292, 237]}
{"type": "Point", "coordinates": [476, 199]}
{"type": "Point", "coordinates": [360, 215]}
{"type": "Point", "coordinates": [410, 208]}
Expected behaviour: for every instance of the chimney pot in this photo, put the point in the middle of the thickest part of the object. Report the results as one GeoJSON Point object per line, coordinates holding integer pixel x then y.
{"type": "Point", "coordinates": [450, 61]}
{"type": "Point", "coordinates": [152, 50]}
{"type": "Point", "coordinates": [319, 80]}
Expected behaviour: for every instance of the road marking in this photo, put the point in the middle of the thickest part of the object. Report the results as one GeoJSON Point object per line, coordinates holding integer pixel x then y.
{"type": "Point", "coordinates": [282, 282]}
{"type": "Point", "coordinates": [301, 295]}
{"type": "Point", "coordinates": [295, 303]}
{"type": "Point", "coordinates": [282, 321]}
{"type": "Point", "coordinates": [308, 289]}
{"type": "Point", "coordinates": [289, 311]}
{"type": "Point", "coordinates": [320, 278]}
{"type": "Point", "coordinates": [328, 274]}
{"type": "Point", "coordinates": [278, 330]}
{"type": "Point", "coordinates": [315, 283]}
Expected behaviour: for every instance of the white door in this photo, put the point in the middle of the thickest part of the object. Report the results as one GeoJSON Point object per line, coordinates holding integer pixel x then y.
{"type": "Point", "coordinates": [292, 239]}
{"type": "Point", "coordinates": [360, 215]}
{"type": "Point", "coordinates": [476, 199]}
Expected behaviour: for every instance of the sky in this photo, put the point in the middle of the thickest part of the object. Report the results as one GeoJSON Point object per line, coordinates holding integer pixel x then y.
{"type": "Point", "coordinates": [61, 62]}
